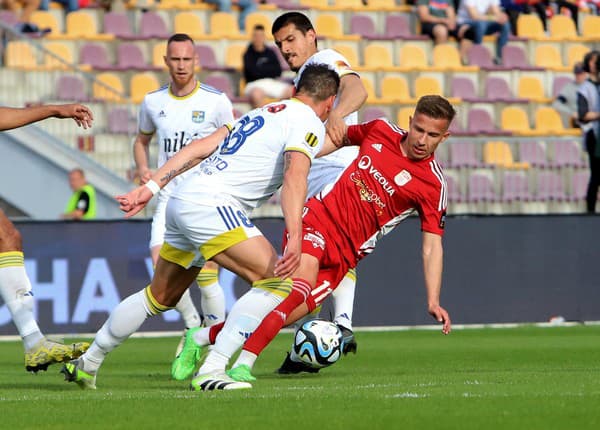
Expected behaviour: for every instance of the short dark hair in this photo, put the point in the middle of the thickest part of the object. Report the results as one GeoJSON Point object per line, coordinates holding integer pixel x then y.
{"type": "Point", "coordinates": [436, 107]}
{"type": "Point", "coordinates": [179, 37]}
{"type": "Point", "coordinates": [300, 20]}
{"type": "Point", "coordinates": [318, 81]}
{"type": "Point", "coordinates": [259, 27]}
{"type": "Point", "coordinates": [587, 58]}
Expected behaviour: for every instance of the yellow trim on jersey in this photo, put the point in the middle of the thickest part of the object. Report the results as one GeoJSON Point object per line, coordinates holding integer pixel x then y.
{"type": "Point", "coordinates": [348, 72]}
{"type": "Point", "coordinates": [279, 287]}
{"type": "Point", "coordinates": [147, 133]}
{"type": "Point", "coordinates": [220, 243]}
{"type": "Point", "coordinates": [154, 307]}
{"type": "Point", "coordinates": [176, 256]}
{"type": "Point", "coordinates": [207, 277]}
{"type": "Point", "coordinates": [351, 275]}
{"type": "Point", "coordinates": [302, 150]}
{"type": "Point", "coordinates": [11, 259]}
{"type": "Point", "coordinates": [187, 96]}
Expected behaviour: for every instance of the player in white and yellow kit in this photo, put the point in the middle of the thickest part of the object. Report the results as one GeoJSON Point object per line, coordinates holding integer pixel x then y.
{"type": "Point", "coordinates": [177, 113]}
{"type": "Point", "coordinates": [208, 219]}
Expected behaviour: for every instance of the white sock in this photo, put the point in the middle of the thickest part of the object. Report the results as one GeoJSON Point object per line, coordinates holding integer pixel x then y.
{"type": "Point", "coordinates": [201, 337]}
{"type": "Point", "coordinates": [245, 316]}
{"type": "Point", "coordinates": [124, 320]}
{"type": "Point", "coordinates": [246, 357]}
{"type": "Point", "coordinates": [213, 297]}
{"type": "Point", "coordinates": [15, 289]}
{"type": "Point", "coordinates": [188, 310]}
{"type": "Point", "coordinates": [343, 300]}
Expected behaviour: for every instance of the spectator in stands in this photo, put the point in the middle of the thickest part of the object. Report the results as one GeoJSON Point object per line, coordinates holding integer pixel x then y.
{"type": "Point", "coordinates": [438, 21]}
{"type": "Point", "coordinates": [82, 204]}
{"type": "Point", "coordinates": [68, 5]}
{"type": "Point", "coordinates": [588, 104]}
{"type": "Point", "coordinates": [23, 9]}
{"type": "Point", "coordinates": [246, 7]}
{"type": "Point", "coordinates": [485, 17]}
{"type": "Point", "coordinates": [566, 101]}
{"type": "Point", "coordinates": [262, 70]}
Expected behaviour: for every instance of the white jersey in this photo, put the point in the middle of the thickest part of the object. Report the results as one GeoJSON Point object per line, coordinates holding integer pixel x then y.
{"type": "Point", "coordinates": [248, 166]}
{"type": "Point", "coordinates": [178, 120]}
{"type": "Point", "coordinates": [326, 169]}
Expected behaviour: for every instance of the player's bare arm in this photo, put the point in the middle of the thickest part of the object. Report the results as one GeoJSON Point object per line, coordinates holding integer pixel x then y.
{"type": "Point", "coordinates": [17, 117]}
{"type": "Point", "coordinates": [351, 96]}
{"type": "Point", "coordinates": [328, 146]}
{"type": "Point", "coordinates": [196, 151]}
{"type": "Point", "coordinates": [141, 151]}
{"type": "Point", "coordinates": [293, 196]}
{"type": "Point", "coordinates": [433, 255]}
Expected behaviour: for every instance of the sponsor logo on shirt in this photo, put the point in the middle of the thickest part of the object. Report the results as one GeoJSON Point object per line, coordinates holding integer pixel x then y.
{"type": "Point", "coordinates": [365, 164]}
{"type": "Point", "coordinates": [403, 178]}
{"type": "Point", "coordinates": [162, 114]}
{"type": "Point", "coordinates": [198, 116]}
{"type": "Point", "coordinates": [311, 139]}
{"type": "Point", "coordinates": [366, 194]}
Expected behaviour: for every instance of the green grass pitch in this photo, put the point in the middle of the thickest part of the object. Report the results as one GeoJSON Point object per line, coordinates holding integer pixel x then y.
{"type": "Point", "coordinates": [518, 378]}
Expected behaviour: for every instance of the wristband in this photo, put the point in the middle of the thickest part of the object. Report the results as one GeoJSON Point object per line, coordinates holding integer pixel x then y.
{"type": "Point", "coordinates": [153, 186]}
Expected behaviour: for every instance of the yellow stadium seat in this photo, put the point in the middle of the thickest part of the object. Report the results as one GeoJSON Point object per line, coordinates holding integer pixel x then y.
{"type": "Point", "coordinates": [234, 55]}
{"type": "Point", "coordinates": [404, 115]}
{"type": "Point", "coordinates": [549, 122]}
{"type": "Point", "coordinates": [499, 154]}
{"type": "Point", "coordinates": [575, 53]}
{"type": "Point", "coordinates": [61, 50]}
{"type": "Point", "coordinates": [191, 24]}
{"type": "Point", "coordinates": [531, 87]}
{"type": "Point", "coordinates": [329, 25]}
{"type": "Point", "coordinates": [349, 51]}
{"type": "Point", "coordinates": [394, 89]}
{"type": "Point", "coordinates": [515, 119]}
{"type": "Point", "coordinates": [428, 85]}
{"type": "Point", "coordinates": [412, 57]}
{"type": "Point", "coordinates": [446, 57]}
{"type": "Point", "coordinates": [314, 4]}
{"type": "Point", "coordinates": [82, 25]}
{"type": "Point", "coordinates": [20, 55]}
{"type": "Point", "coordinates": [590, 27]}
{"type": "Point", "coordinates": [548, 56]}
{"type": "Point", "coordinates": [255, 18]}
{"type": "Point", "coordinates": [174, 5]}
{"type": "Point", "coordinates": [141, 84]}
{"type": "Point", "coordinates": [562, 27]}
{"type": "Point", "coordinates": [108, 87]}
{"type": "Point", "coordinates": [530, 26]}
{"type": "Point", "coordinates": [44, 19]}
{"type": "Point", "coordinates": [224, 25]}
{"type": "Point", "coordinates": [370, 88]}
{"type": "Point", "coordinates": [158, 53]}
{"type": "Point", "coordinates": [378, 57]}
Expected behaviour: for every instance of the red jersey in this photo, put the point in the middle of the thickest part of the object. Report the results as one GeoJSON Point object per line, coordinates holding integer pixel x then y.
{"type": "Point", "coordinates": [377, 191]}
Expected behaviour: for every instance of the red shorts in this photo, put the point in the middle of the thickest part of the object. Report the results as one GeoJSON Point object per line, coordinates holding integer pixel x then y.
{"type": "Point", "coordinates": [318, 242]}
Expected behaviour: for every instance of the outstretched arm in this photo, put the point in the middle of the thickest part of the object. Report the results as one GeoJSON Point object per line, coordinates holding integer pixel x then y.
{"type": "Point", "coordinates": [17, 117]}
{"type": "Point", "coordinates": [351, 96]}
{"type": "Point", "coordinates": [196, 151]}
{"type": "Point", "coordinates": [433, 255]}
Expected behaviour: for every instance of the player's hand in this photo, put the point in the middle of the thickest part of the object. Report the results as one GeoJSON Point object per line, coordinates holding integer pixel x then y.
{"type": "Point", "coordinates": [336, 128]}
{"type": "Point", "coordinates": [134, 201]}
{"type": "Point", "coordinates": [81, 114]}
{"type": "Point", "coordinates": [441, 315]}
{"type": "Point", "coordinates": [287, 265]}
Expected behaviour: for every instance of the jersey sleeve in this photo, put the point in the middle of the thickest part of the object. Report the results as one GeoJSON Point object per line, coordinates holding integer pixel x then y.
{"type": "Point", "coordinates": [434, 203]}
{"type": "Point", "coordinates": [224, 115]}
{"type": "Point", "coordinates": [338, 62]}
{"type": "Point", "coordinates": [306, 135]}
{"type": "Point", "coordinates": [356, 133]}
{"type": "Point", "coordinates": [145, 123]}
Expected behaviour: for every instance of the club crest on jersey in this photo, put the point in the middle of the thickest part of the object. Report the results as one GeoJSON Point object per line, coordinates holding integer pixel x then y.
{"type": "Point", "coordinates": [403, 178]}
{"type": "Point", "coordinates": [198, 116]}
{"type": "Point", "coordinates": [311, 139]}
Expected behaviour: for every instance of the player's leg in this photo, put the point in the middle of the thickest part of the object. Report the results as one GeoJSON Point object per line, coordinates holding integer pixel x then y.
{"type": "Point", "coordinates": [15, 289]}
{"type": "Point", "coordinates": [213, 298]}
{"type": "Point", "coordinates": [343, 305]}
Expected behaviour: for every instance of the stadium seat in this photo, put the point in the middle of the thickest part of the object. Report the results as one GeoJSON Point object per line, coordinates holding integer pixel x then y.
{"type": "Point", "coordinates": [153, 26]}
{"type": "Point", "coordinates": [118, 24]}
{"type": "Point", "coordinates": [222, 82]}
{"type": "Point", "coordinates": [60, 56]}
{"type": "Point", "coordinates": [370, 113]}
{"type": "Point", "coordinates": [480, 55]}
{"type": "Point", "coordinates": [481, 188]}
{"type": "Point", "coordinates": [94, 55]}
{"type": "Point", "coordinates": [329, 25]}
{"type": "Point", "coordinates": [562, 28]}
{"type": "Point", "coordinates": [172, 5]}
{"type": "Point", "coordinates": [531, 88]}
{"type": "Point", "coordinates": [314, 4]}
{"type": "Point", "coordinates": [412, 57]}
{"type": "Point", "coordinates": [455, 194]}
{"type": "Point", "coordinates": [590, 27]}
{"type": "Point", "coordinates": [497, 90]}
{"type": "Point", "coordinates": [45, 19]}
{"type": "Point", "coordinates": [514, 57]}
{"type": "Point", "coordinates": [82, 25]}
{"type": "Point", "coordinates": [121, 121]}
{"type": "Point", "coordinates": [550, 186]}
{"type": "Point", "coordinates": [234, 55]}
{"type": "Point", "coordinates": [464, 88]}
{"type": "Point", "coordinates": [480, 121]}
{"type": "Point", "coordinates": [364, 26]}
{"type": "Point", "coordinates": [208, 58]}
{"type": "Point", "coordinates": [463, 154]}
{"type": "Point", "coordinates": [20, 55]}
{"type": "Point", "coordinates": [530, 26]}
{"type": "Point", "coordinates": [579, 184]}
{"type": "Point", "coordinates": [547, 56]}
{"type": "Point", "coordinates": [131, 57]}
{"type": "Point", "coordinates": [348, 4]}
{"type": "Point", "coordinates": [397, 26]}
{"type": "Point", "coordinates": [141, 84]}
{"type": "Point", "coordinates": [515, 120]}
{"type": "Point", "coordinates": [370, 88]}
{"type": "Point", "coordinates": [549, 122]}
{"type": "Point", "coordinates": [499, 154]}
{"type": "Point", "coordinates": [223, 25]}
{"type": "Point", "coordinates": [108, 87]}
{"type": "Point", "coordinates": [403, 116]}
{"type": "Point", "coordinates": [567, 153]}
{"type": "Point", "coordinates": [71, 88]}
{"type": "Point", "coordinates": [515, 187]}
{"type": "Point", "coordinates": [350, 52]}
{"type": "Point", "coordinates": [447, 58]}
{"type": "Point", "coordinates": [190, 23]}
{"type": "Point", "coordinates": [8, 17]}
{"type": "Point", "coordinates": [558, 84]}
{"type": "Point", "coordinates": [394, 89]}
{"type": "Point", "coordinates": [158, 54]}
{"type": "Point", "coordinates": [427, 85]}
{"type": "Point", "coordinates": [576, 52]}
{"type": "Point", "coordinates": [378, 57]}
{"type": "Point", "coordinates": [255, 18]}
{"type": "Point", "coordinates": [533, 152]}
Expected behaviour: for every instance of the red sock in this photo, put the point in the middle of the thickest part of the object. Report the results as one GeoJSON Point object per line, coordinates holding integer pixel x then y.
{"type": "Point", "coordinates": [273, 322]}
{"type": "Point", "coordinates": [213, 331]}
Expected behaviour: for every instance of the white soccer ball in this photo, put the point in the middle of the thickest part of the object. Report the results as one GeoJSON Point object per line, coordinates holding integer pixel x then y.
{"type": "Point", "coordinates": [318, 343]}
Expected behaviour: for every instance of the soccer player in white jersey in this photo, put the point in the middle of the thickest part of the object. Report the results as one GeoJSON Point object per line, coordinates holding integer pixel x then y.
{"type": "Point", "coordinates": [15, 287]}
{"type": "Point", "coordinates": [208, 219]}
{"type": "Point", "coordinates": [179, 112]}
{"type": "Point", "coordinates": [296, 38]}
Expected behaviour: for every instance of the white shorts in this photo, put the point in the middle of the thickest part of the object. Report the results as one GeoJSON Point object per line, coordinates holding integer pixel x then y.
{"type": "Point", "coordinates": [196, 232]}
{"type": "Point", "coordinates": [271, 87]}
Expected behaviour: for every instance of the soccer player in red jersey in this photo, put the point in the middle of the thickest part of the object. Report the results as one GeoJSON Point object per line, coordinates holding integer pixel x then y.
{"type": "Point", "coordinates": [394, 175]}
